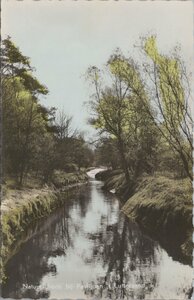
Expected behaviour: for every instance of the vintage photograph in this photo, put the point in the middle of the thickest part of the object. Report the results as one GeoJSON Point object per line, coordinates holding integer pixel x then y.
{"type": "Point", "coordinates": [96, 134]}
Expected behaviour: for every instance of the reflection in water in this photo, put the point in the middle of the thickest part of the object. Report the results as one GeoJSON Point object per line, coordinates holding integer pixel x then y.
{"type": "Point", "coordinates": [130, 259]}
{"type": "Point", "coordinates": [89, 249]}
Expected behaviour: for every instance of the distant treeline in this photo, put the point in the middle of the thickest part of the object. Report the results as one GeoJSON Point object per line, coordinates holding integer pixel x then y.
{"type": "Point", "coordinates": [142, 111]}
{"type": "Point", "coordinates": [36, 139]}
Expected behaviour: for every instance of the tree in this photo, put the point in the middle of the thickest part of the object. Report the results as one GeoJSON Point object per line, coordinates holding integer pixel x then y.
{"type": "Point", "coordinates": [81, 154]}
{"type": "Point", "coordinates": [27, 124]}
{"type": "Point", "coordinates": [106, 153]}
{"type": "Point", "coordinates": [109, 109]}
{"type": "Point", "coordinates": [63, 124]}
{"type": "Point", "coordinates": [118, 112]}
{"type": "Point", "coordinates": [64, 134]}
{"type": "Point", "coordinates": [24, 119]}
{"type": "Point", "coordinates": [44, 157]}
{"type": "Point", "coordinates": [162, 88]}
{"type": "Point", "coordinates": [36, 140]}
{"type": "Point", "coordinates": [15, 65]}
{"type": "Point", "coordinates": [172, 98]}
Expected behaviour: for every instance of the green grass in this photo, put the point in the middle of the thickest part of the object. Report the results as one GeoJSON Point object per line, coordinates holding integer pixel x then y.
{"type": "Point", "coordinates": [17, 218]}
{"type": "Point", "coordinates": [161, 193]}
{"type": "Point", "coordinates": [115, 179]}
{"type": "Point", "coordinates": [163, 205]}
{"type": "Point", "coordinates": [62, 179]}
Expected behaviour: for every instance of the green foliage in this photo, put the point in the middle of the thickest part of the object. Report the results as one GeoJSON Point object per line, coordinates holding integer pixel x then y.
{"type": "Point", "coordinates": [16, 65]}
{"type": "Point", "coordinates": [145, 108]}
{"type": "Point", "coordinates": [62, 179]}
{"type": "Point", "coordinates": [35, 141]}
{"type": "Point", "coordinates": [32, 84]}
{"type": "Point", "coordinates": [120, 114]}
{"type": "Point", "coordinates": [170, 85]}
{"type": "Point", "coordinates": [172, 97]}
{"type": "Point", "coordinates": [106, 153]}
{"type": "Point", "coordinates": [12, 56]}
{"type": "Point", "coordinates": [23, 125]}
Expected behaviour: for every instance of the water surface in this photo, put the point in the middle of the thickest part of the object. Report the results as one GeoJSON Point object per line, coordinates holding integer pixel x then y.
{"type": "Point", "coordinates": [88, 249]}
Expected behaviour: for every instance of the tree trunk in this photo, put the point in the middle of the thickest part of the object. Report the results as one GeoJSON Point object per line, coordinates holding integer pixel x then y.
{"type": "Point", "coordinates": [21, 175]}
{"type": "Point", "coordinates": [123, 160]}
{"type": "Point", "coordinates": [186, 165]}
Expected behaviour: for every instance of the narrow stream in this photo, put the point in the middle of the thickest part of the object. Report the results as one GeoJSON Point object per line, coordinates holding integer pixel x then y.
{"type": "Point", "coordinates": [88, 249]}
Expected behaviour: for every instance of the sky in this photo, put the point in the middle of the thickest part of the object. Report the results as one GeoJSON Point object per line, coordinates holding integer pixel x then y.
{"type": "Point", "coordinates": [64, 38]}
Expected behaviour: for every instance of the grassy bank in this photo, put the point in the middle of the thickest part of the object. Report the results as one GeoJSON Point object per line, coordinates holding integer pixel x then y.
{"type": "Point", "coordinates": [115, 180]}
{"type": "Point", "coordinates": [21, 207]}
{"type": "Point", "coordinates": [161, 205]}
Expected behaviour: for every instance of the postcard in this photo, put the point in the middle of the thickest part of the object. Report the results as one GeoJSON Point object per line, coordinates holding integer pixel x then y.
{"type": "Point", "coordinates": [96, 135]}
